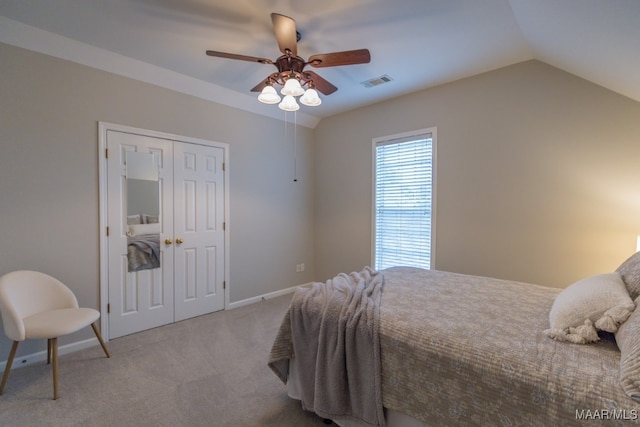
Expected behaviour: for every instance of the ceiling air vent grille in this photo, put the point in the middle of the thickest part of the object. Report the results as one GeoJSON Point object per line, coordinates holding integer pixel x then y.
{"type": "Point", "coordinates": [377, 81]}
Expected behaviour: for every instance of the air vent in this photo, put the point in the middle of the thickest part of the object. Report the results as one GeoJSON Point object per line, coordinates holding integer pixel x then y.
{"type": "Point", "coordinates": [377, 81]}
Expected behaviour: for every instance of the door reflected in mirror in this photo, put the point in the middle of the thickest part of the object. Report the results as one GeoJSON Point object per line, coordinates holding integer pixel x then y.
{"type": "Point", "coordinates": [143, 211]}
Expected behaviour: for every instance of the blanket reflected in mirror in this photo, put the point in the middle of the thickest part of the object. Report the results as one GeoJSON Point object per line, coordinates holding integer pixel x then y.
{"type": "Point", "coordinates": [143, 252]}
{"type": "Point", "coordinates": [143, 247]}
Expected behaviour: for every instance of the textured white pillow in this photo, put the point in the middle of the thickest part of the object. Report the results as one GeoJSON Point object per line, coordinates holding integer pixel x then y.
{"type": "Point", "coordinates": [598, 302]}
{"type": "Point", "coordinates": [139, 229]}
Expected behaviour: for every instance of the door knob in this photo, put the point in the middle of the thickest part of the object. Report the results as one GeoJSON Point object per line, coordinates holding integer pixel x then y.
{"type": "Point", "coordinates": [168, 241]}
{"type": "Point", "coordinates": [179, 240]}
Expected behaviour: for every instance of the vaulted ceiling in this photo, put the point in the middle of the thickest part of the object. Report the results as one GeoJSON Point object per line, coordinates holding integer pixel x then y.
{"type": "Point", "coordinates": [417, 43]}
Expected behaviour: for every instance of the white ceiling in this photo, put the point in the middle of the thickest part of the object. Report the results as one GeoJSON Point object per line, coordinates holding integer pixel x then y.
{"type": "Point", "coordinates": [418, 43]}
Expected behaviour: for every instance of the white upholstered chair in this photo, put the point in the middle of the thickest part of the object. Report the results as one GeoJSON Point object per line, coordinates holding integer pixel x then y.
{"type": "Point", "coordinates": [35, 305]}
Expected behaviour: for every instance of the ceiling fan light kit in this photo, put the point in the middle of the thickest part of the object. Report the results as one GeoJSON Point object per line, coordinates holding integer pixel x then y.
{"type": "Point", "coordinates": [310, 98]}
{"type": "Point", "coordinates": [289, 104]}
{"type": "Point", "coordinates": [291, 74]}
{"type": "Point", "coordinates": [269, 95]}
{"type": "Point", "coordinates": [292, 87]}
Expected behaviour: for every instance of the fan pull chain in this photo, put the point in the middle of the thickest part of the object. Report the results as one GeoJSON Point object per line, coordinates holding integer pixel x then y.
{"type": "Point", "coordinates": [295, 142]}
{"type": "Point", "coordinates": [286, 139]}
{"type": "Point", "coordinates": [295, 146]}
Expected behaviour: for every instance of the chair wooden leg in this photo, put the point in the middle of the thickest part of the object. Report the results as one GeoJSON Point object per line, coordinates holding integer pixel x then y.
{"type": "Point", "coordinates": [54, 352]}
{"type": "Point", "coordinates": [48, 351]}
{"type": "Point", "coordinates": [104, 346]}
{"type": "Point", "coordinates": [7, 368]}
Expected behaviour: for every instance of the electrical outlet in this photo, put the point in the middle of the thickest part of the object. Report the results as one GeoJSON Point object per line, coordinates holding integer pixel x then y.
{"type": "Point", "coordinates": [299, 268]}
{"type": "Point", "coordinates": [302, 267]}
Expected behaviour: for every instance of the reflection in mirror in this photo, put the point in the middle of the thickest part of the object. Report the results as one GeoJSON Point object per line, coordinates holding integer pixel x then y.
{"type": "Point", "coordinates": [143, 212]}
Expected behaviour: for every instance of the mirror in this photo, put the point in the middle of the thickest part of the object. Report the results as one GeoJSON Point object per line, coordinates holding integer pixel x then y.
{"type": "Point", "coordinates": [143, 211]}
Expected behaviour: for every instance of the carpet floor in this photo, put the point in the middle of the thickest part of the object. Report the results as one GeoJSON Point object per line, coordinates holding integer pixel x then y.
{"type": "Point", "coordinates": [206, 371]}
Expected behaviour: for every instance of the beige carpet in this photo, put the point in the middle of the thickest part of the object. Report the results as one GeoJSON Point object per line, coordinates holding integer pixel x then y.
{"type": "Point", "coordinates": [207, 371]}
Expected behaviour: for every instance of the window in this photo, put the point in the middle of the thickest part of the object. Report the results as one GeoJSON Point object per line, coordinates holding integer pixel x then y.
{"type": "Point", "coordinates": [403, 199]}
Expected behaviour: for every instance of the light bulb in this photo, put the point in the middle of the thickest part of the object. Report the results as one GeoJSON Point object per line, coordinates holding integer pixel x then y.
{"type": "Point", "coordinates": [289, 104]}
{"type": "Point", "coordinates": [310, 98]}
{"type": "Point", "coordinates": [292, 87]}
{"type": "Point", "coordinates": [269, 95]}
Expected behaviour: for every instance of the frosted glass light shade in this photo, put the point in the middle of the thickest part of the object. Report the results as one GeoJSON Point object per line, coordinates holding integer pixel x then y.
{"type": "Point", "coordinates": [289, 104]}
{"type": "Point", "coordinates": [269, 95]}
{"type": "Point", "coordinates": [292, 87]}
{"type": "Point", "coordinates": [310, 98]}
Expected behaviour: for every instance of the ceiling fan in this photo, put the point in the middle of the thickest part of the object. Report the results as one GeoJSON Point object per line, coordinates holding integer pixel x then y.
{"type": "Point", "coordinates": [292, 67]}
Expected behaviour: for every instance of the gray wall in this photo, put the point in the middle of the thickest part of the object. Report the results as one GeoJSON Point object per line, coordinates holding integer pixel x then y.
{"type": "Point", "coordinates": [537, 176]}
{"type": "Point", "coordinates": [49, 114]}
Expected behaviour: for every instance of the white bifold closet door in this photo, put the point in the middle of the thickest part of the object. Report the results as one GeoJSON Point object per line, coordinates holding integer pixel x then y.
{"type": "Point", "coordinates": [190, 279]}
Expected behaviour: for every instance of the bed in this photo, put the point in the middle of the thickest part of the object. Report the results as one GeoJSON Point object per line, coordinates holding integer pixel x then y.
{"type": "Point", "coordinates": [143, 246]}
{"type": "Point", "coordinates": [461, 350]}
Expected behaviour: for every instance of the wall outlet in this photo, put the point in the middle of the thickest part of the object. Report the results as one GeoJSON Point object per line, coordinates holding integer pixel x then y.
{"type": "Point", "coordinates": [299, 268]}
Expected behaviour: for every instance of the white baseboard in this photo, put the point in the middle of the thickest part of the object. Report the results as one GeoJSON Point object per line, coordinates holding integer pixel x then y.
{"type": "Point", "coordinates": [41, 356]}
{"type": "Point", "coordinates": [263, 297]}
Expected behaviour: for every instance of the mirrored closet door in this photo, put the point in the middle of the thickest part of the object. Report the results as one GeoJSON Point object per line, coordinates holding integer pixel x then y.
{"type": "Point", "coordinates": [165, 216]}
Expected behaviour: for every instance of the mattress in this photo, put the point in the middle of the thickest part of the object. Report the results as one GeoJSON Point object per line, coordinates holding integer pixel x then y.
{"type": "Point", "coordinates": [468, 350]}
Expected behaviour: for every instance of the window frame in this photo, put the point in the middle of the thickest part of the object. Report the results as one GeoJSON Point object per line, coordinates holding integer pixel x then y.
{"type": "Point", "coordinates": [397, 138]}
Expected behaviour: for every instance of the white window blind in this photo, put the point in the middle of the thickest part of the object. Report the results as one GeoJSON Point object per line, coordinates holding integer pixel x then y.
{"type": "Point", "coordinates": [403, 201]}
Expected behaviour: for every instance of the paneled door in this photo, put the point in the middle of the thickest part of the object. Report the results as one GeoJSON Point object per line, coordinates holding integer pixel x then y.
{"type": "Point", "coordinates": [190, 278]}
{"type": "Point", "coordinates": [143, 299]}
{"type": "Point", "coordinates": [198, 228]}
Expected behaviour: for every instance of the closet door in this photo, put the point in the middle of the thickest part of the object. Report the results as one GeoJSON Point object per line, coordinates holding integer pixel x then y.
{"type": "Point", "coordinates": [142, 299]}
{"type": "Point", "coordinates": [198, 229]}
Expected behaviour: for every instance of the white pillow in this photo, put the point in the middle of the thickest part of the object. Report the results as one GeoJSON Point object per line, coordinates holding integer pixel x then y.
{"type": "Point", "coordinates": [598, 302]}
{"type": "Point", "coordinates": [139, 229]}
{"type": "Point", "coordinates": [149, 219]}
{"type": "Point", "coordinates": [133, 219]}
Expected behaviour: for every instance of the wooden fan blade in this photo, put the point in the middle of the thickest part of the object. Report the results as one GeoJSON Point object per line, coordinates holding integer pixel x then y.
{"type": "Point", "coordinates": [348, 57]}
{"type": "Point", "coordinates": [240, 57]}
{"type": "Point", "coordinates": [285, 31]}
{"type": "Point", "coordinates": [259, 86]}
{"type": "Point", "coordinates": [320, 83]}
{"type": "Point", "coordinates": [271, 77]}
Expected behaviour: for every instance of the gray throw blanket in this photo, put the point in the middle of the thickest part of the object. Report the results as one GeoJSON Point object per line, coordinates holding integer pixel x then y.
{"type": "Point", "coordinates": [143, 252]}
{"type": "Point", "coordinates": [332, 329]}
